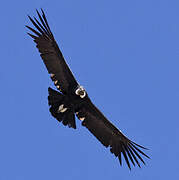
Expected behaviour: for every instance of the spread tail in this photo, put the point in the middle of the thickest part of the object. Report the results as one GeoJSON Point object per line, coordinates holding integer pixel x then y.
{"type": "Point", "coordinates": [60, 109]}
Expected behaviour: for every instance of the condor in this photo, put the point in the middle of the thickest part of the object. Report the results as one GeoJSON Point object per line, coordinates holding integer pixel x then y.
{"type": "Point", "coordinates": [71, 98]}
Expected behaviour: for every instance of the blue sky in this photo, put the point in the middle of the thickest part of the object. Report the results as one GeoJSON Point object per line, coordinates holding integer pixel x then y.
{"type": "Point", "coordinates": [126, 55]}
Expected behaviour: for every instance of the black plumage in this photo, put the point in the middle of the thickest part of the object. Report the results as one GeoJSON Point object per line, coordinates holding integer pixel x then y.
{"type": "Point", "coordinates": [71, 98]}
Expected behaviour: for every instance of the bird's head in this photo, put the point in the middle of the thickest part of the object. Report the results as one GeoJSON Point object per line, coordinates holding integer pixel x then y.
{"type": "Point", "coordinates": [80, 91]}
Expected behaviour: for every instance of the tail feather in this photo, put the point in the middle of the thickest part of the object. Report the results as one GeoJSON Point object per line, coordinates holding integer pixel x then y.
{"type": "Point", "coordinates": [55, 99]}
{"type": "Point", "coordinates": [54, 96]}
{"type": "Point", "coordinates": [70, 119]}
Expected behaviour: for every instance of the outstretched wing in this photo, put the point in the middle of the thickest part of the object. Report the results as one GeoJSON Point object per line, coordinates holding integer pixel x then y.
{"type": "Point", "coordinates": [51, 54]}
{"type": "Point", "coordinates": [109, 135]}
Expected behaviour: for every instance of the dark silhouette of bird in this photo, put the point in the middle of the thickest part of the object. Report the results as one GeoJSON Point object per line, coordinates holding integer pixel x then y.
{"type": "Point", "coordinates": [72, 99]}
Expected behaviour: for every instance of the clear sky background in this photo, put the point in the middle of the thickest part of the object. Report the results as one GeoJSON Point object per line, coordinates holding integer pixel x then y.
{"type": "Point", "coordinates": [126, 55]}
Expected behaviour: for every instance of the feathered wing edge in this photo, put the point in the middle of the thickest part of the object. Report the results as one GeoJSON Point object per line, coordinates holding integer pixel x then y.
{"type": "Point", "coordinates": [111, 137]}
{"type": "Point", "coordinates": [42, 27]}
{"type": "Point", "coordinates": [51, 54]}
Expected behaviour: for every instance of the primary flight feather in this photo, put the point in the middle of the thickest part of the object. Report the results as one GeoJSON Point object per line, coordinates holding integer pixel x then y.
{"type": "Point", "coordinates": [71, 99]}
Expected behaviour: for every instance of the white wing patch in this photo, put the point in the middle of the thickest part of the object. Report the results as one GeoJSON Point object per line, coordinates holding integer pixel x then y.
{"type": "Point", "coordinates": [61, 109]}
{"type": "Point", "coordinates": [52, 75]}
{"type": "Point", "coordinates": [82, 118]}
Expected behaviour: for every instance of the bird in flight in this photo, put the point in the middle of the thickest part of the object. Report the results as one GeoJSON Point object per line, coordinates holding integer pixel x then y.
{"type": "Point", "coordinates": [71, 98]}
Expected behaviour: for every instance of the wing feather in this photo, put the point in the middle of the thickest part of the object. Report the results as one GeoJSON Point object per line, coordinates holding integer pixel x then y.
{"type": "Point", "coordinates": [110, 136]}
{"type": "Point", "coordinates": [51, 54]}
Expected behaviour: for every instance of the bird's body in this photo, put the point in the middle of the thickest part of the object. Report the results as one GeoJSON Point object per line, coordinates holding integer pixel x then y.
{"type": "Point", "coordinates": [71, 99]}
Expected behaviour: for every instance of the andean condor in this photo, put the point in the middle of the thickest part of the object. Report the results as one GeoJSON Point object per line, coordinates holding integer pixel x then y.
{"type": "Point", "coordinates": [71, 98]}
